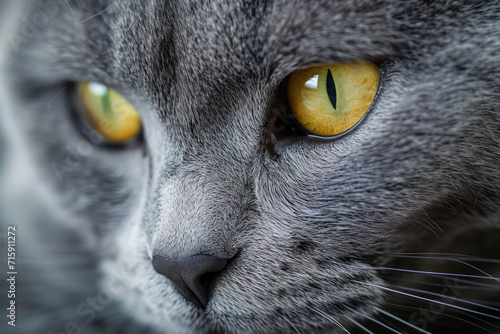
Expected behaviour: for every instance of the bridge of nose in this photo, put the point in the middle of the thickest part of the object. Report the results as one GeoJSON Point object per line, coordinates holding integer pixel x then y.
{"type": "Point", "coordinates": [197, 211]}
{"type": "Point", "coordinates": [194, 218]}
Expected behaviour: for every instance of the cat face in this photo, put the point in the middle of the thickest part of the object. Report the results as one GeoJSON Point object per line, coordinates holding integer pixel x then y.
{"type": "Point", "coordinates": [303, 222]}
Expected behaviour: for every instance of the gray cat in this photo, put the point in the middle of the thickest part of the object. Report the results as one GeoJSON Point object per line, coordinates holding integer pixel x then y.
{"type": "Point", "coordinates": [224, 212]}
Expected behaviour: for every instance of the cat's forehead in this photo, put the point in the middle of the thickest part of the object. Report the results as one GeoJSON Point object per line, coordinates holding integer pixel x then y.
{"type": "Point", "coordinates": [203, 50]}
{"type": "Point", "coordinates": [267, 38]}
{"type": "Point", "coordinates": [274, 36]}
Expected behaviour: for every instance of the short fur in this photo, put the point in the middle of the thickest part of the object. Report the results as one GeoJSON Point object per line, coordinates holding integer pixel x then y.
{"type": "Point", "coordinates": [309, 225]}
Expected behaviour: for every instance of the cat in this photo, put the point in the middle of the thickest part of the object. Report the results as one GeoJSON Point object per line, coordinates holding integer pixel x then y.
{"type": "Point", "coordinates": [225, 215]}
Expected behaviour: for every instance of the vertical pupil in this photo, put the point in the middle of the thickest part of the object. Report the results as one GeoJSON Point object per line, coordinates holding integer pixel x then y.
{"type": "Point", "coordinates": [106, 104]}
{"type": "Point", "coordinates": [330, 88]}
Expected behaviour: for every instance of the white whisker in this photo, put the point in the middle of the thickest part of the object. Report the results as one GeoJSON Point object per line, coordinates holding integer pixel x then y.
{"type": "Point", "coordinates": [450, 297]}
{"type": "Point", "coordinates": [102, 11]}
{"type": "Point", "coordinates": [329, 317]}
{"type": "Point", "coordinates": [361, 326]}
{"type": "Point", "coordinates": [462, 257]}
{"type": "Point", "coordinates": [451, 316]}
{"type": "Point", "coordinates": [374, 320]}
{"type": "Point", "coordinates": [436, 273]}
{"type": "Point", "coordinates": [429, 300]}
{"type": "Point", "coordinates": [467, 284]}
{"type": "Point", "coordinates": [454, 260]}
{"type": "Point", "coordinates": [72, 12]}
{"type": "Point", "coordinates": [401, 320]}
{"type": "Point", "coordinates": [289, 322]}
{"type": "Point", "coordinates": [11, 63]}
{"type": "Point", "coordinates": [62, 90]}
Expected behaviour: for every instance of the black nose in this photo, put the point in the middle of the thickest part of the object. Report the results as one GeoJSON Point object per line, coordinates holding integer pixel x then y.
{"type": "Point", "coordinates": [187, 274]}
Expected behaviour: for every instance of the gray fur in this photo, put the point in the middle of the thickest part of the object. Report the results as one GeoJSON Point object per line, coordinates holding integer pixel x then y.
{"type": "Point", "coordinates": [306, 225]}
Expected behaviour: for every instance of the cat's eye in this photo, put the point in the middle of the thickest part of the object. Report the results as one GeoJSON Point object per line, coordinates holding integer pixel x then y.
{"type": "Point", "coordinates": [108, 113]}
{"type": "Point", "coordinates": [329, 100]}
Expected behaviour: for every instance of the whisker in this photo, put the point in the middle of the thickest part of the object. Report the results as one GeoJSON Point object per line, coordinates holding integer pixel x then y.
{"type": "Point", "coordinates": [72, 12]}
{"type": "Point", "coordinates": [474, 283]}
{"type": "Point", "coordinates": [329, 317]}
{"type": "Point", "coordinates": [451, 259]}
{"type": "Point", "coordinates": [436, 273]}
{"type": "Point", "coordinates": [102, 11]}
{"type": "Point", "coordinates": [11, 63]}
{"type": "Point", "coordinates": [401, 320]}
{"type": "Point", "coordinates": [469, 284]}
{"type": "Point", "coordinates": [429, 227]}
{"type": "Point", "coordinates": [440, 255]}
{"type": "Point", "coordinates": [473, 323]}
{"type": "Point", "coordinates": [361, 326]}
{"type": "Point", "coordinates": [62, 90]}
{"type": "Point", "coordinates": [454, 298]}
{"type": "Point", "coordinates": [429, 300]}
{"type": "Point", "coordinates": [433, 222]}
{"type": "Point", "coordinates": [290, 323]}
{"type": "Point", "coordinates": [374, 320]}
{"type": "Point", "coordinates": [130, 26]}
{"type": "Point", "coordinates": [397, 306]}
{"type": "Point", "coordinates": [489, 301]}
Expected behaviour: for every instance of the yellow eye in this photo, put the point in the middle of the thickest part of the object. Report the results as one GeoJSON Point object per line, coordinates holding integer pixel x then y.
{"type": "Point", "coordinates": [329, 100]}
{"type": "Point", "coordinates": [108, 113]}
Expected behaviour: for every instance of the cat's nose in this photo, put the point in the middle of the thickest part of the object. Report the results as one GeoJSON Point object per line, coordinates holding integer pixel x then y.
{"type": "Point", "coordinates": [190, 274]}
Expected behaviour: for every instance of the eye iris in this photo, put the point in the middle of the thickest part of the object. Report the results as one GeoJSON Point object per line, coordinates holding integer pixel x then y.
{"type": "Point", "coordinates": [329, 100]}
{"type": "Point", "coordinates": [108, 113]}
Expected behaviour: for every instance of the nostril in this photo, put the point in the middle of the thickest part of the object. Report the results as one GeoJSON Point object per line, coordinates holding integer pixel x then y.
{"type": "Point", "coordinates": [191, 275]}
{"type": "Point", "coordinates": [207, 279]}
{"type": "Point", "coordinates": [207, 282]}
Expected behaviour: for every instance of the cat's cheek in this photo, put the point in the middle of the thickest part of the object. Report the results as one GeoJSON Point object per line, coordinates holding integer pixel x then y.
{"type": "Point", "coordinates": [89, 185]}
{"type": "Point", "coordinates": [274, 289]}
